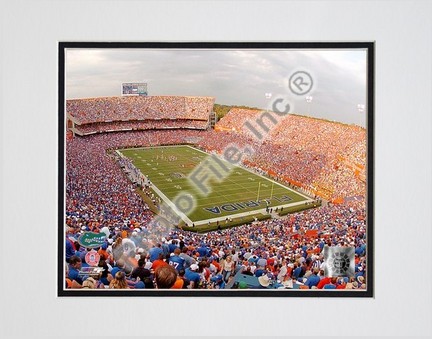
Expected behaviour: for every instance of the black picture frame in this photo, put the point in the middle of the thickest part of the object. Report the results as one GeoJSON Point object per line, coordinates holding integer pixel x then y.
{"type": "Point", "coordinates": [368, 46]}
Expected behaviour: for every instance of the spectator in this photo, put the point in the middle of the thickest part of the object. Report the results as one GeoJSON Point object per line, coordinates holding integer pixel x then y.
{"type": "Point", "coordinates": [160, 261]}
{"type": "Point", "coordinates": [186, 282]}
{"type": "Point", "coordinates": [193, 276]}
{"type": "Point", "coordinates": [119, 281]}
{"type": "Point", "coordinates": [155, 252]}
{"type": "Point", "coordinates": [140, 272]}
{"type": "Point", "coordinates": [228, 268]}
{"type": "Point", "coordinates": [331, 285]}
{"type": "Point", "coordinates": [188, 260]}
{"type": "Point", "coordinates": [74, 268]}
{"type": "Point", "coordinates": [176, 260]}
{"type": "Point", "coordinates": [165, 276]}
{"type": "Point", "coordinates": [313, 279]}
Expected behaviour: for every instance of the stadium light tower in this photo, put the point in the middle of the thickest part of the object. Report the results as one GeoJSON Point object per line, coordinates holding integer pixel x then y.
{"type": "Point", "coordinates": [309, 100]}
{"type": "Point", "coordinates": [268, 96]}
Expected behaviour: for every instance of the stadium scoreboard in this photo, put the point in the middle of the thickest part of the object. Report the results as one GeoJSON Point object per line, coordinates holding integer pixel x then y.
{"type": "Point", "coordinates": [134, 88]}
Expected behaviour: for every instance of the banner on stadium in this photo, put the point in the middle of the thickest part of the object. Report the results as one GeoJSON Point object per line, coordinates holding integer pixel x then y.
{"type": "Point", "coordinates": [91, 239]}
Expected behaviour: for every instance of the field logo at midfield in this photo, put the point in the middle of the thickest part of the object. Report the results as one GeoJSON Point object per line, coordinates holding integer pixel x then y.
{"type": "Point", "coordinates": [177, 175]}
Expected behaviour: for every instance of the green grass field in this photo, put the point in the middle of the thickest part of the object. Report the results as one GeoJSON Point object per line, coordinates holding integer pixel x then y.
{"type": "Point", "coordinates": [232, 191]}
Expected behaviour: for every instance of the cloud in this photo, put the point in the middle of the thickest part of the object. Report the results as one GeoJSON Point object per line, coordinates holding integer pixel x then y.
{"type": "Point", "coordinates": [234, 77]}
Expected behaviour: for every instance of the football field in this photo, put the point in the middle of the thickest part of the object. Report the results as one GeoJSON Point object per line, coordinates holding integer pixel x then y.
{"type": "Point", "coordinates": [218, 189]}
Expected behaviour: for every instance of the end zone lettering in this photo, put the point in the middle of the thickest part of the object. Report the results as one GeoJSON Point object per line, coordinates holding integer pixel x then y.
{"type": "Point", "coordinates": [230, 207]}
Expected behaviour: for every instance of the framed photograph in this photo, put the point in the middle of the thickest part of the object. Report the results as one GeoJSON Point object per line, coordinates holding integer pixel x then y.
{"type": "Point", "coordinates": [216, 169]}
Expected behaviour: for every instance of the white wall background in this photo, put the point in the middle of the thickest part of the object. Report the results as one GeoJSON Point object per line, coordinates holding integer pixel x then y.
{"type": "Point", "coordinates": [30, 31]}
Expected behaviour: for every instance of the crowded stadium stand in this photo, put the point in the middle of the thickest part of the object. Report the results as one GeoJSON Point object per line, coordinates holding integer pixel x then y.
{"type": "Point", "coordinates": [236, 118]}
{"type": "Point", "coordinates": [327, 159]}
{"type": "Point", "coordinates": [108, 114]}
{"type": "Point", "coordinates": [319, 157]}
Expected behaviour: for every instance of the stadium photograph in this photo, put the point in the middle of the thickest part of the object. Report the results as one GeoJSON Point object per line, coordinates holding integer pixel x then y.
{"type": "Point", "coordinates": [216, 169]}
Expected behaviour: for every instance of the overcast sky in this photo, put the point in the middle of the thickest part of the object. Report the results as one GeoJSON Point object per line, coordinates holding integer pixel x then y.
{"type": "Point", "coordinates": [233, 77]}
